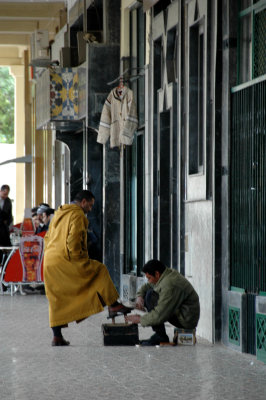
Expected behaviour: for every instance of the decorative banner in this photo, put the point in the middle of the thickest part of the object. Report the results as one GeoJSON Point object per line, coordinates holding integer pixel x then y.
{"type": "Point", "coordinates": [13, 271]}
{"type": "Point", "coordinates": [31, 254]}
{"type": "Point", "coordinates": [64, 94]}
{"type": "Point", "coordinates": [57, 97]}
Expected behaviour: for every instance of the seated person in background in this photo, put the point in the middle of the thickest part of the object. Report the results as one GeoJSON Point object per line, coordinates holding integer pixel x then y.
{"type": "Point", "coordinates": [4, 231]}
{"type": "Point", "coordinates": [36, 221]}
{"type": "Point", "coordinates": [41, 209]}
{"type": "Point", "coordinates": [44, 205]}
{"type": "Point", "coordinates": [34, 210]}
{"type": "Point", "coordinates": [168, 296]}
{"type": "Point", "coordinates": [4, 237]}
{"type": "Point", "coordinates": [6, 205]}
{"type": "Point", "coordinates": [47, 215]}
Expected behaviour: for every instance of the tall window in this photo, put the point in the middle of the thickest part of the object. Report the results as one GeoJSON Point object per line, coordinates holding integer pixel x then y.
{"type": "Point", "coordinates": [141, 63]}
{"type": "Point", "coordinates": [196, 99]}
{"type": "Point", "coordinates": [157, 84]}
{"type": "Point", "coordinates": [134, 239]}
{"type": "Point", "coordinates": [251, 40]}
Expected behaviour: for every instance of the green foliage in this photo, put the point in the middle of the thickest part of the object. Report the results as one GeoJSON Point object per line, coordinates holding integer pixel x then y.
{"type": "Point", "coordinates": [6, 106]}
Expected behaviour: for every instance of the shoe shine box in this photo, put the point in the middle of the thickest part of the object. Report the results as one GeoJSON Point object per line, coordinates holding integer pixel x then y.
{"type": "Point", "coordinates": [120, 334]}
{"type": "Point", "coordinates": [185, 336]}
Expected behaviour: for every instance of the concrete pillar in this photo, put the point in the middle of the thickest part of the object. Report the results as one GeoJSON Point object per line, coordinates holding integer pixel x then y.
{"type": "Point", "coordinates": [125, 43]}
{"type": "Point", "coordinates": [28, 131]}
{"type": "Point", "coordinates": [18, 74]}
{"type": "Point", "coordinates": [48, 141]}
{"type": "Point", "coordinates": [38, 166]}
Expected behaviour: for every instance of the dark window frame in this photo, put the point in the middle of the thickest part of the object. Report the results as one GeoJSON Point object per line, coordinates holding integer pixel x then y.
{"type": "Point", "coordinates": [134, 162]}
{"type": "Point", "coordinates": [196, 145]}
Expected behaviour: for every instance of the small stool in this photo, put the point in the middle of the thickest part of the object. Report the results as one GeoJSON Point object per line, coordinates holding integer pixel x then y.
{"type": "Point", "coordinates": [185, 336]}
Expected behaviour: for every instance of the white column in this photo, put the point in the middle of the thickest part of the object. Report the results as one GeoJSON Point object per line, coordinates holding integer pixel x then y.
{"type": "Point", "coordinates": [18, 74]}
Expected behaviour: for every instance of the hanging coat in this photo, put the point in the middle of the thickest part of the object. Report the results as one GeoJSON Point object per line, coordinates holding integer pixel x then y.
{"type": "Point", "coordinates": [119, 119]}
{"type": "Point", "coordinates": [72, 280]}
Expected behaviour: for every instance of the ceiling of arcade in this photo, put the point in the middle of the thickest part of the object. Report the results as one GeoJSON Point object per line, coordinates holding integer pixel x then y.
{"type": "Point", "coordinates": [19, 19]}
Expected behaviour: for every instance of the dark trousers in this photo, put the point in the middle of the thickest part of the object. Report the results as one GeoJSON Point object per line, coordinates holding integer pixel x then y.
{"type": "Point", "coordinates": [57, 330]}
{"type": "Point", "coordinates": [150, 302]}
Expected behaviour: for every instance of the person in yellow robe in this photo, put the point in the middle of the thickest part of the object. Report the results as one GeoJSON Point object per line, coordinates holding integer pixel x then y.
{"type": "Point", "coordinates": [76, 286]}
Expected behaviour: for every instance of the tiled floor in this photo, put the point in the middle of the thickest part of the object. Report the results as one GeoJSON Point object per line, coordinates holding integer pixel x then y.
{"type": "Point", "coordinates": [30, 369]}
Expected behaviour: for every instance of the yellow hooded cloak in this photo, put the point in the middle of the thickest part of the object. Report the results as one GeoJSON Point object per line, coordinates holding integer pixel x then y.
{"type": "Point", "coordinates": [72, 280]}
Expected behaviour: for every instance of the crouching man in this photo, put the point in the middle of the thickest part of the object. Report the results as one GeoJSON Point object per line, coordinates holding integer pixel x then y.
{"type": "Point", "coordinates": [168, 296]}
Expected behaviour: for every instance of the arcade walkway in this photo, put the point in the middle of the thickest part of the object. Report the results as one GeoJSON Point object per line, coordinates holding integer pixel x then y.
{"type": "Point", "coordinates": [30, 369]}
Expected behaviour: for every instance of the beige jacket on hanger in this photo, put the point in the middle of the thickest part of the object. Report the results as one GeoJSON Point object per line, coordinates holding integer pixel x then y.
{"type": "Point", "coordinates": [119, 118]}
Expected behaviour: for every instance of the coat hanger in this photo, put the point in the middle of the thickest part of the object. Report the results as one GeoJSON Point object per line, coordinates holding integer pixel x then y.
{"type": "Point", "coordinates": [121, 82]}
{"type": "Point", "coordinates": [129, 77]}
{"type": "Point", "coordinates": [120, 87]}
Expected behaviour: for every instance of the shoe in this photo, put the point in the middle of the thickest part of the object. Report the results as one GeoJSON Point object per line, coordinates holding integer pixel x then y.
{"type": "Point", "coordinates": [60, 341]}
{"type": "Point", "coordinates": [155, 340]}
{"type": "Point", "coordinates": [118, 309]}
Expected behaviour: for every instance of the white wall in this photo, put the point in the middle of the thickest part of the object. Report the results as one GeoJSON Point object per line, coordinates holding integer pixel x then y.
{"type": "Point", "coordinates": [199, 261]}
{"type": "Point", "coordinates": [59, 42]}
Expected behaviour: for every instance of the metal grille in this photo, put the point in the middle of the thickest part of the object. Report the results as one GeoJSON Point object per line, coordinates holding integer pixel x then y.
{"type": "Point", "coordinates": [248, 187]}
{"type": "Point", "coordinates": [259, 61]}
{"type": "Point", "coordinates": [261, 337]}
{"type": "Point", "coordinates": [251, 324]}
{"type": "Point", "coordinates": [251, 47]}
{"type": "Point", "coordinates": [234, 325]}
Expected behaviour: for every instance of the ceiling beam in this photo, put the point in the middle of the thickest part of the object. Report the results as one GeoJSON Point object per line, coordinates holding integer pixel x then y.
{"type": "Point", "coordinates": [11, 61]}
{"type": "Point", "coordinates": [7, 39]}
{"type": "Point", "coordinates": [19, 20]}
{"type": "Point", "coordinates": [31, 10]}
{"type": "Point", "coordinates": [12, 51]}
{"type": "Point", "coordinates": [24, 26]}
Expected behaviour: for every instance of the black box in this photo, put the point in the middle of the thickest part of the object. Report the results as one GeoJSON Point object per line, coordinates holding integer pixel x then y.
{"type": "Point", "coordinates": [120, 334]}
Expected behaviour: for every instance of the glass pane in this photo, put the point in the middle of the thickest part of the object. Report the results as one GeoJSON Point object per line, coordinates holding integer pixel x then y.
{"type": "Point", "coordinates": [127, 215]}
{"type": "Point", "coordinates": [193, 99]}
{"type": "Point", "coordinates": [201, 101]}
{"type": "Point", "coordinates": [259, 62]}
{"type": "Point", "coordinates": [171, 55]}
{"type": "Point", "coordinates": [160, 6]}
{"type": "Point", "coordinates": [140, 64]}
{"type": "Point", "coordinates": [165, 218]}
{"type": "Point", "coordinates": [140, 203]}
{"type": "Point", "coordinates": [156, 86]}
{"type": "Point", "coordinates": [245, 47]}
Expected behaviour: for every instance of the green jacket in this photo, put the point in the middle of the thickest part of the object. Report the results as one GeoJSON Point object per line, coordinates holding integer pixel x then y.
{"type": "Point", "coordinates": [176, 297]}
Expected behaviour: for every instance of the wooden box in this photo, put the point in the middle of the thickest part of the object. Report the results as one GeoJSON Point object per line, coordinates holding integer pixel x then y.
{"type": "Point", "coordinates": [120, 334]}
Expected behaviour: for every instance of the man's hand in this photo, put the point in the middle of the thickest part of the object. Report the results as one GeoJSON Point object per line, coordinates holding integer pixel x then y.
{"type": "Point", "coordinates": [135, 318]}
{"type": "Point", "coordinates": [140, 303]}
